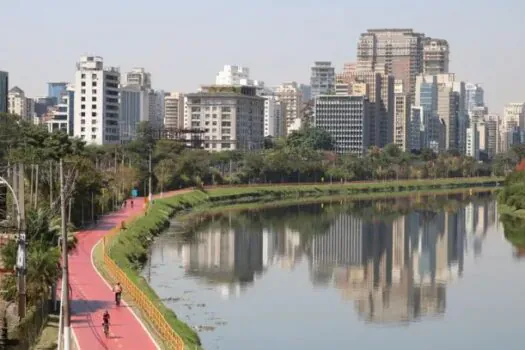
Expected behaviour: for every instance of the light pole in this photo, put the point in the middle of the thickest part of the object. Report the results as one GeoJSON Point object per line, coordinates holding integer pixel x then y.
{"type": "Point", "coordinates": [21, 251]}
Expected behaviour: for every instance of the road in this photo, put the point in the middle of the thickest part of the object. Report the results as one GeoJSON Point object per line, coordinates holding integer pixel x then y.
{"type": "Point", "coordinates": [91, 295]}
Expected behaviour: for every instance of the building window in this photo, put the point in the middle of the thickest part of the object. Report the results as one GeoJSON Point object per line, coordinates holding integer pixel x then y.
{"type": "Point", "coordinates": [82, 129]}
{"type": "Point", "coordinates": [93, 76]}
{"type": "Point", "coordinates": [83, 91]}
{"type": "Point", "coordinates": [93, 129]}
{"type": "Point", "coordinates": [94, 83]}
{"type": "Point", "coordinates": [83, 107]}
{"type": "Point", "coordinates": [94, 91]}
{"type": "Point", "coordinates": [93, 121]}
{"type": "Point", "coordinates": [93, 114]}
{"type": "Point", "coordinates": [83, 76]}
{"type": "Point", "coordinates": [94, 99]}
{"type": "Point", "coordinates": [82, 114]}
{"type": "Point", "coordinates": [93, 137]}
{"type": "Point", "coordinates": [83, 99]}
{"type": "Point", "coordinates": [93, 106]}
{"type": "Point", "coordinates": [82, 121]}
{"type": "Point", "coordinates": [83, 83]}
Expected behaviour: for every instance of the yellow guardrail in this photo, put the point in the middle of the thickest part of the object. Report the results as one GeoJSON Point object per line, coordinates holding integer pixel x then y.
{"type": "Point", "coordinates": [151, 311]}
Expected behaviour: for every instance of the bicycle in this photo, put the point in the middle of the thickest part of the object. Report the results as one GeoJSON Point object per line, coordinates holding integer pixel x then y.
{"type": "Point", "coordinates": [106, 328]}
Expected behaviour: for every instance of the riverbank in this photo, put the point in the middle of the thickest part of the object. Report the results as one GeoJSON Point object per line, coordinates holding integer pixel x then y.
{"type": "Point", "coordinates": [130, 249]}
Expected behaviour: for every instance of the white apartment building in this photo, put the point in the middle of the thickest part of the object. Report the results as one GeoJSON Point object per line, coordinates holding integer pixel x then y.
{"type": "Point", "coordinates": [473, 141]}
{"type": "Point", "coordinates": [19, 104]}
{"type": "Point", "coordinates": [322, 78]}
{"type": "Point", "coordinates": [346, 119]}
{"type": "Point", "coordinates": [401, 121]}
{"type": "Point", "coordinates": [134, 108]}
{"type": "Point", "coordinates": [139, 77]}
{"type": "Point", "coordinates": [97, 105]}
{"type": "Point", "coordinates": [290, 94]}
{"type": "Point", "coordinates": [232, 75]}
{"type": "Point", "coordinates": [231, 116]}
{"type": "Point", "coordinates": [274, 122]}
{"type": "Point", "coordinates": [174, 110]}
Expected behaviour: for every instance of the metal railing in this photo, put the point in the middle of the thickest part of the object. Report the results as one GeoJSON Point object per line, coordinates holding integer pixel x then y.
{"type": "Point", "coordinates": [157, 320]}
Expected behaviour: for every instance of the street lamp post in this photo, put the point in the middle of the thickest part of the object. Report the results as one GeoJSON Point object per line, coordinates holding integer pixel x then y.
{"type": "Point", "coordinates": [21, 251]}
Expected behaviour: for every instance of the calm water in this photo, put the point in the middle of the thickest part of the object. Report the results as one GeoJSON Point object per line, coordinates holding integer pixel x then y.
{"type": "Point", "coordinates": [437, 274]}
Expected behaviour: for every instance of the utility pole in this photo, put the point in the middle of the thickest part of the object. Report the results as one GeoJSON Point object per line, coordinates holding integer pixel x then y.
{"type": "Point", "coordinates": [65, 273]}
{"type": "Point", "coordinates": [21, 253]}
{"type": "Point", "coordinates": [150, 196]}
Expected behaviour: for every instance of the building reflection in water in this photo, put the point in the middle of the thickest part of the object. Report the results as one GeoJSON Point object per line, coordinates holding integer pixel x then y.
{"type": "Point", "coordinates": [394, 270]}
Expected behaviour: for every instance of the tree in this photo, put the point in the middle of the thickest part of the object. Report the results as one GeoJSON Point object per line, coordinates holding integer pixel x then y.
{"type": "Point", "coordinates": [164, 172]}
{"type": "Point", "coordinates": [313, 138]}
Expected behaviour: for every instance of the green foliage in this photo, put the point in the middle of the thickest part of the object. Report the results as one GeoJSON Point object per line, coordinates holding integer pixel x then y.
{"type": "Point", "coordinates": [312, 138]}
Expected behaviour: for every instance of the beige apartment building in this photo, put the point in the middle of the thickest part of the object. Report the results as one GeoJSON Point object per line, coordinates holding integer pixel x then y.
{"type": "Point", "coordinates": [174, 110]}
{"type": "Point", "coordinates": [399, 50]}
{"type": "Point", "coordinates": [435, 56]}
{"type": "Point", "coordinates": [290, 94]}
{"type": "Point", "coordinates": [231, 116]}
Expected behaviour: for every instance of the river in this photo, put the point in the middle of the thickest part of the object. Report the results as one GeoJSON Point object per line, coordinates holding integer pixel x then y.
{"type": "Point", "coordinates": [409, 273]}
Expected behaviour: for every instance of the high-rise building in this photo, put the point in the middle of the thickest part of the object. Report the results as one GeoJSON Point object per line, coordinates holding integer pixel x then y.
{"type": "Point", "coordinates": [322, 78]}
{"type": "Point", "coordinates": [427, 98]}
{"type": "Point", "coordinates": [62, 116]}
{"type": "Point", "coordinates": [174, 110]}
{"type": "Point", "coordinates": [380, 89]}
{"type": "Point", "coordinates": [134, 108]}
{"type": "Point", "coordinates": [415, 133]}
{"type": "Point", "coordinates": [290, 94]}
{"type": "Point", "coordinates": [366, 83]}
{"type": "Point", "coordinates": [400, 51]}
{"type": "Point", "coordinates": [139, 77]}
{"type": "Point", "coordinates": [448, 101]}
{"type": "Point", "coordinates": [232, 117]}
{"type": "Point", "coordinates": [401, 121]}
{"type": "Point", "coordinates": [56, 90]}
{"type": "Point", "coordinates": [4, 91]}
{"type": "Point", "coordinates": [435, 56]}
{"type": "Point", "coordinates": [345, 118]}
{"type": "Point", "coordinates": [18, 104]}
{"type": "Point", "coordinates": [492, 123]}
{"type": "Point", "coordinates": [513, 121]}
{"type": "Point", "coordinates": [274, 122]}
{"type": "Point", "coordinates": [156, 108]}
{"type": "Point", "coordinates": [474, 96]}
{"type": "Point", "coordinates": [96, 101]}
{"type": "Point", "coordinates": [473, 141]}
{"type": "Point", "coordinates": [232, 75]}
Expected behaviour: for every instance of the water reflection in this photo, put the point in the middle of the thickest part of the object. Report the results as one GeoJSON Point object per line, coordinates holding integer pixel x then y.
{"type": "Point", "coordinates": [392, 258]}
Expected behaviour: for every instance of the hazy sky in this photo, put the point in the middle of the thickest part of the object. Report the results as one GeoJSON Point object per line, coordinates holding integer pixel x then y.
{"type": "Point", "coordinates": [185, 44]}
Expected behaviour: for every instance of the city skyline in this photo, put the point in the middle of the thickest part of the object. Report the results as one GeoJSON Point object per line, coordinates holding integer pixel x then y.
{"type": "Point", "coordinates": [291, 54]}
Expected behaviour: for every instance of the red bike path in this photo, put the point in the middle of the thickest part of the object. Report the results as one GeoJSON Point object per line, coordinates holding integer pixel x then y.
{"type": "Point", "coordinates": [91, 295]}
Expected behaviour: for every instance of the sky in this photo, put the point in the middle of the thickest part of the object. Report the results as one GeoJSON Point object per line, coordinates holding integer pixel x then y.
{"type": "Point", "coordinates": [185, 44]}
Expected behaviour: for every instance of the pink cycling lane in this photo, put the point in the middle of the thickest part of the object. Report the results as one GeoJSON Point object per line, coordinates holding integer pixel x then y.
{"type": "Point", "coordinates": [91, 295]}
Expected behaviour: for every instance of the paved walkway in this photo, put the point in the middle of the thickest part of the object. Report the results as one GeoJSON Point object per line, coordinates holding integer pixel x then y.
{"type": "Point", "coordinates": [91, 295]}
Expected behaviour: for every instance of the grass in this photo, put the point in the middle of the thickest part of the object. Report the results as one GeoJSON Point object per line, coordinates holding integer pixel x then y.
{"type": "Point", "coordinates": [130, 248]}
{"type": "Point", "coordinates": [48, 338]}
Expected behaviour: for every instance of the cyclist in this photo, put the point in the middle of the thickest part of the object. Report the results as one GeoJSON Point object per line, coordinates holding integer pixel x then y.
{"type": "Point", "coordinates": [118, 292]}
{"type": "Point", "coordinates": [105, 322]}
